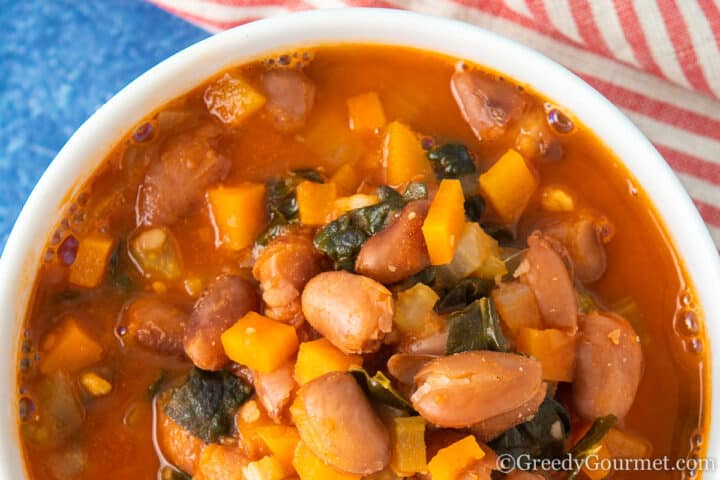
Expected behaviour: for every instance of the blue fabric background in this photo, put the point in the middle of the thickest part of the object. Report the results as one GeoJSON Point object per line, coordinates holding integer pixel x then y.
{"type": "Point", "coordinates": [59, 61]}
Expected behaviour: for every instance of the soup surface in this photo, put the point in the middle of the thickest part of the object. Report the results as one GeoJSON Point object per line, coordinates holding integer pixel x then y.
{"type": "Point", "coordinates": [358, 262]}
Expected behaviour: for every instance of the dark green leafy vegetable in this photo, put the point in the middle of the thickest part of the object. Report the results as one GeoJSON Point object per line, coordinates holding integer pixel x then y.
{"type": "Point", "coordinates": [511, 257]}
{"type": "Point", "coordinates": [474, 207]}
{"type": "Point", "coordinates": [451, 160]}
{"type": "Point", "coordinates": [342, 239]}
{"type": "Point", "coordinates": [542, 437]}
{"type": "Point", "coordinates": [117, 276]}
{"type": "Point", "coordinates": [425, 276]}
{"type": "Point", "coordinates": [281, 204]}
{"type": "Point", "coordinates": [463, 294]}
{"type": "Point", "coordinates": [589, 444]}
{"type": "Point", "coordinates": [379, 388]}
{"type": "Point", "coordinates": [499, 233]}
{"type": "Point", "coordinates": [206, 403]}
{"type": "Point", "coordinates": [475, 327]}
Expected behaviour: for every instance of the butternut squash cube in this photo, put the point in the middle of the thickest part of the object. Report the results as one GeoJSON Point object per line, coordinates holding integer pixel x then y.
{"type": "Point", "coordinates": [554, 349]}
{"type": "Point", "coordinates": [404, 158]}
{"type": "Point", "coordinates": [310, 467]}
{"type": "Point", "coordinates": [508, 186]}
{"type": "Point", "coordinates": [238, 214]}
{"type": "Point", "coordinates": [68, 347]}
{"type": "Point", "coordinates": [260, 343]}
{"type": "Point", "coordinates": [347, 178]}
{"type": "Point", "coordinates": [366, 112]}
{"type": "Point", "coordinates": [88, 269]}
{"type": "Point", "coordinates": [315, 202]}
{"type": "Point", "coordinates": [408, 441]}
{"type": "Point", "coordinates": [232, 100]}
{"type": "Point", "coordinates": [281, 440]}
{"type": "Point", "coordinates": [449, 462]}
{"type": "Point", "coordinates": [318, 357]}
{"type": "Point", "coordinates": [445, 221]}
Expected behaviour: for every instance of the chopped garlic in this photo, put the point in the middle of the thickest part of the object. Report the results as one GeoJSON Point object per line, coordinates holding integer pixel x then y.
{"type": "Point", "coordinates": [95, 384]}
{"type": "Point", "coordinates": [556, 199]}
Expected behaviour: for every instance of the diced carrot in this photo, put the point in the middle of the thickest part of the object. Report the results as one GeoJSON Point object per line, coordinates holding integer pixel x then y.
{"type": "Point", "coordinates": [238, 214]}
{"type": "Point", "coordinates": [310, 467]}
{"type": "Point", "coordinates": [445, 222]}
{"type": "Point", "coordinates": [318, 357]}
{"type": "Point", "coordinates": [345, 204]}
{"type": "Point", "coordinates": [516, 304]}
{"type": "Point", "coordinates": [260, 343]}
{"type": "Point", "coordinates": [221, 462]}
{"type": "Point", "coordinates": [267, 468]}
{"type": "Point", "coordinates": [91, 261]}
{"type": "Point", "coordinates": [408, 442]}
{"type": "Point", "coordinates": [232, 100]}
{"type": "Point", "coordinates": [347, 178]}
{"type": "Point", "coordinates": [596, 466]}
{"type": "Point", "coordinates": [554, 349]}
{"type": "Point", "coordinates": [68, 347]}
{"type": "Point", "coordinates": [281, 440]}
{"type": "Point", "coordinates": [404, 158]}
{"type": "Point", "coordinates": [626, 445]}
{"type": "Point", "coordinates": [315, 202]}
{"type": "Point", "coordinates": [250, 419]}
{"type": "Point", "coordinates": [449, 462]}
{"type": "Point", "coordinates": [366, 112]}
{"type": "Point", "coordinates": [508, 185]}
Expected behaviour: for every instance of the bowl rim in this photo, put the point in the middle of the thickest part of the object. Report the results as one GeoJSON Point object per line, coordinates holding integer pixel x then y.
{"type": "Point", "coordinates": [90, 144]}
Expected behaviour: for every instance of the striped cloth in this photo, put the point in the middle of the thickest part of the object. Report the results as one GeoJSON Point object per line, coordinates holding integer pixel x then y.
{"type": "Point", "coordinates": [658, 60]}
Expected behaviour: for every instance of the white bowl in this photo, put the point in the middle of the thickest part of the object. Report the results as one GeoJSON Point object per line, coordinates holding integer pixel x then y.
{"type": "Point", "coordinates": [87, 148]}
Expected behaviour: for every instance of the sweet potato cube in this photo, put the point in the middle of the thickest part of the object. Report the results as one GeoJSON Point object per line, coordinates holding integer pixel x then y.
{"type": "Point", "coordinates": [315, 202]}
{"type": "Point", "coordinates": [318, 357]}
{"type": "Point", "coordinates": [409, 450]}
{"type": "Point", "coordinates": [445, 221]}
{"type": "Point", "coordinates": [238, 214]}
{"type": "Point", "coordinates": [508, 186]}
{"type": "Point", "coordinates": [260, 343]}
{"type": "Point", "coordinates": [232, 100]}
{"type": "Point", "coordinates": [310, 467]}
{"type": "Point", "coordinates": [68, 347]}
{"type": "Point", "coordinates": [91, 261]}
{"type": "Point", "coordinates": [554, 349]}
{"type": "Point", "coordinates": [404, 158]}
{"type": "Point", "coordinates": [449, 462]}
{"type": "Point", "coordinates": [366, 112]}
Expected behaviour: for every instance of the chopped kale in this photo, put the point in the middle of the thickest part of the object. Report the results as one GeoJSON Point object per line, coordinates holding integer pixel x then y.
{"type": "Point", "coordinates": [464, 293]}
{"type": "Point", "coordinates": [118, 277]}
{"type": "Point", "coordinates": [474, 207]}
{"type": "Point", "coordinates": [589, 444]}
{"type": "Point", "coordinates": [206, 403]}
{"type": "Point", "coordinates": [281, 203]}
{"type": "Point", "coordinates": [475, 327]}
{"type": "Point", "coordinates": [379, 388]}
{"type": "Point", "coordinates": [542, 437]}
{"type": "Point", "coordinates": [342, 238]}
{"type": "Point", "coordinates": [425, 276]}
{"type": "Point", "coordinates": [451, 160]}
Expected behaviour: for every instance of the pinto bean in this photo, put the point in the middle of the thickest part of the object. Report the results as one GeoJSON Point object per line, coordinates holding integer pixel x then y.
{"type": "Point", "coordinates": [404, 366]}
{"type": "Point", "coordinates": [274, 389]}
{"type": "Point", "coordinates": [283, 268]}
{"type": "Point", "coordinates": [179, 447]}
{"type": "Point", "coordinates": [487, 104]}
{"type": "Point", "coordinates": [548, 277]}
{"type": "Point", "coordinates": [221, 462]}
{"type": "Point", "coordinates": [225, 300]}
{"type": "Point", "coordinates": [352, 311]}
{"type": "Point", "coordinates": [492, 428]}
{"type": "Point", "coordinates": [399, 250]}
{"type": "Point", "coordinates": [437, 439]}
{"type": "Point", "coordinates": [582, 239]}
{"type": "Point", "coordinates": [468, 388]}
{"type": "Point", "coordinates": [290, 97]}
{"type": "Point", "coordinates": [188, 164]}
{"type": "Point", "coordinates": [156, 325]}
{"type": "Point", "coordinates": [608, 366]}
{"type": "Point", "coordinates": [435, 344]}
{"type": "Point", "coordinates": [335, 420]}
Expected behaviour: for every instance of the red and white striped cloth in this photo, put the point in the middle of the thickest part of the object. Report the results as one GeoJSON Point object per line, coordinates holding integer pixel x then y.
{"type": "Point", "coordinates": [658, 60]}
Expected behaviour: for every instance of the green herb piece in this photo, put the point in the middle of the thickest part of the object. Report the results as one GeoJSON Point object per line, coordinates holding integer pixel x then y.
{"type": "Point", "coordinates": [206, 403]}
{"type": "Point", "coordinates": [542, 437]}
{"type": "Point", "coordinates": [379, 388]}
{"type": "Point", "coordinates": [425, 276]}
{"type": "Point", "coordinates": [451, 160]}
{"type": "Point", "coordinates": [589, 444]}
{"type": "Point", "coordinates": [474, 207]}
{"type": "Point", "coordinates": [464, 293]}
{"type": "Point", "coordinates": [117, 276]}
{"type": "Point", "coordinates": [281, 203]}
{"type": "Point", "coordinates": [475, 327]}
{"type": "Point", "coordinates": [342, 238]}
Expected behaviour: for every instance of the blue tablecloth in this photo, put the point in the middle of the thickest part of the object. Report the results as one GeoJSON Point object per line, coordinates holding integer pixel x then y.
{"type": "Point", "coordinates": [59, 61]}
